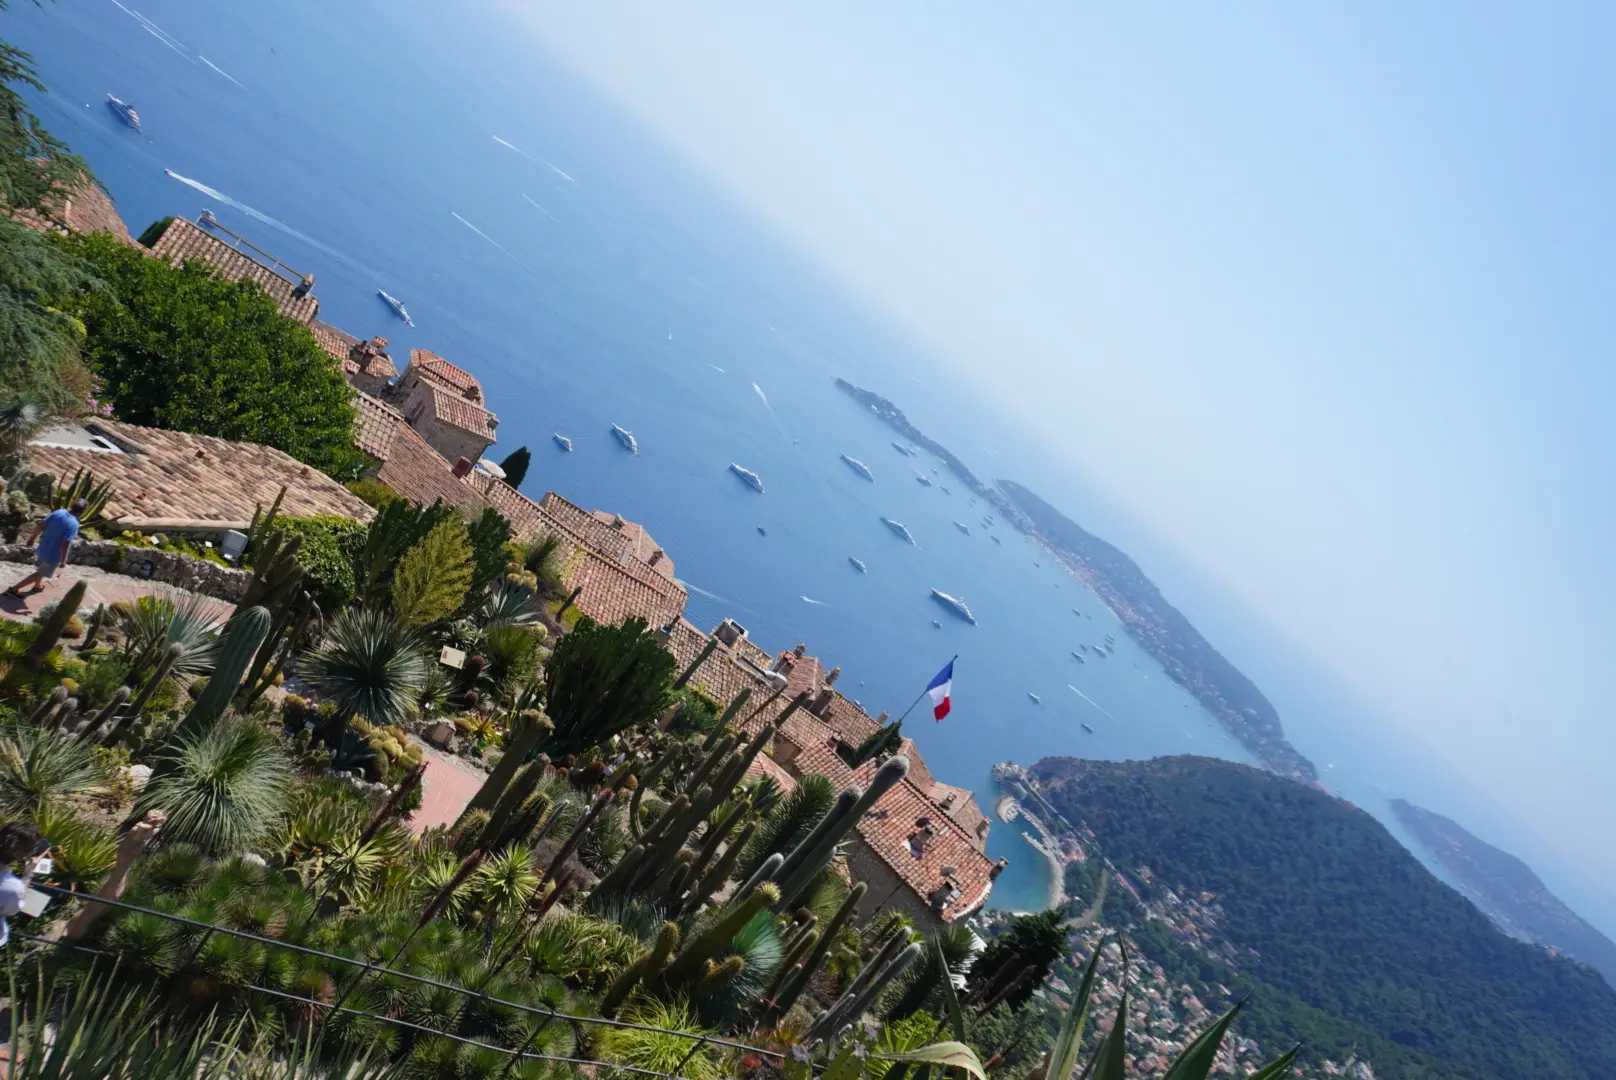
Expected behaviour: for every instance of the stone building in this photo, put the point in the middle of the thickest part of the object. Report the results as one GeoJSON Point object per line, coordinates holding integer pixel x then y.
{"type": "Point", "coordinates": [445, 404]}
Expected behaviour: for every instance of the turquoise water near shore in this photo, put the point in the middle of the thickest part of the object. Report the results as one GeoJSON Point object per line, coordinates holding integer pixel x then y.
{"type": "Point", "coordinates": [590, 277]}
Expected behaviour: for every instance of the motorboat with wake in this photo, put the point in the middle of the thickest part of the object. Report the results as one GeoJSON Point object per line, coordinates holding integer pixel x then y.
{"type": "Point", "coordinates": [924, 481]}
{"type": "Point", "coordinates": [857, 565]}
{"type": "Point", "coordinates": [954, 604]}
{"type": "Point", "coordinates": [124, 111]}
{"type": "Point", "coordinates": [626, 437]}
{"type": "Point", "coordinates": [397, 305]}
{"type": "Point", "coordinates": [859, 467]}
{"type": "Point", "coordinates": [899, 528]}
{"type": "Point", "coordinates": [562, 441]}
{"type": "Point", "coordinates": [752, 479]}
{"type": "Point", "coordinates": [1036, 700]}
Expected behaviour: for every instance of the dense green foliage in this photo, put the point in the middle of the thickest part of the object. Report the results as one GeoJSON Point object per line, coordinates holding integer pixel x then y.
{"type": "Point", "coordinates": [1033, 941]}
{"type": "Point", "coordinates": [38, 341]}
{"type": "Point", "coordinates": [327, 555]}
{"type": "Point", "coordinates": [602, 680]}
{"type": "Point", "coordinates": [179, 347]}
{"type": "Point", "coordinates": [515, 466]}
{"type": "Point", "coordinates": [433, 576]}
{"type": "Point", "coordinates": [1352, 941]}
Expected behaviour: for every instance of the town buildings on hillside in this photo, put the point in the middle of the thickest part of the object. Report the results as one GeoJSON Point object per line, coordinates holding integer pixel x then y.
{"type": "Point", "coordinates": [922, 848]}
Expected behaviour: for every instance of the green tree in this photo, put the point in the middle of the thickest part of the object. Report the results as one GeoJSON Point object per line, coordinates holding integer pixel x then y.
{"type": "Point", "coordinates": [601, 680]}
{"type": "Point", "coordinates": [179, 347]}
{"type": "Point", "coordinates": [39, 342]}
{"type": "Point", "coordinates": [515, 466]}
{"type": "Point", "coordinates": [1033, 942]}
{"type": "Point", "coordinates": [433, 576]}
{"type": "Point", "coordinates": [488, 536]}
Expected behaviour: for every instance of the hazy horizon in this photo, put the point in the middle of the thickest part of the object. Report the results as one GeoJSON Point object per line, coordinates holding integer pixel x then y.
{"type": "Point", "coordinates": [1322, 287]}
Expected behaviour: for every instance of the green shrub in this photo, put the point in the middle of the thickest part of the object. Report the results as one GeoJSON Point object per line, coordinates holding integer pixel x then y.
{"type": "Point", "coordinates": [373, 491]}
{"type": "Point", "coordinates": [329, 544]}
{"type": "Point", "coordinates": [432, 577]}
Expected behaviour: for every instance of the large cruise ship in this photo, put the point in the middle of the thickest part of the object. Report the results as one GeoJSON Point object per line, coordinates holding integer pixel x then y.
{"type": "Point", "coordinates": [859, 467]}
{"type": "Point", "coordinates": [954, 604]}
{"type": "Point", "coordinates": [124, 111]}
{"type": "Point", "coordinates": [753, 480]}
{"type": "Point", "coordinates": [898, 527]}
{"type": "Point", "coordinates": [626, 437]}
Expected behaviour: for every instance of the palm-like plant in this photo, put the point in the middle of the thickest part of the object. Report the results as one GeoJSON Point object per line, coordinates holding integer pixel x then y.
{"type": "Point", "coordinates": [40, 770]}
{"type": "Point", "coordinates": [789, 822]}
{"type": "Point", "coordinates": [369, 666]}
{"type": "Point", "coordinates": [665, 1050]}
{"type": "Point", "coordinates": [223, 790]}
{"type": "Point", "coordinates": [545, 557]}
{"type": "Point", "coordinates": [512, 653]}
{"type": "Point", "coordinates": [152, 623]}
{"type": "Point", "coordinates": [19, 419]}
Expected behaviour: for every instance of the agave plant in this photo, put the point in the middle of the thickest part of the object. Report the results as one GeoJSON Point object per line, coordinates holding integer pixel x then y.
{"type": "Point", "coordinates": [223, 789]}
{"type": "Point", "coordinates": [40, 770]}
{"type": "Point", "coordinates": [152, 623]}
{"type": "Point", "coordinates": [369, 666]}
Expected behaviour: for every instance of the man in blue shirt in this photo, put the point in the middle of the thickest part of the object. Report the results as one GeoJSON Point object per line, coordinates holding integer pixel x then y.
{"type": "Point", "coordinates": [56, 536]}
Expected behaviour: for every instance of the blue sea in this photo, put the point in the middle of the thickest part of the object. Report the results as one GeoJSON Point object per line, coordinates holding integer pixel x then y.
{"type": "Point", "coordinates": [589, 276]}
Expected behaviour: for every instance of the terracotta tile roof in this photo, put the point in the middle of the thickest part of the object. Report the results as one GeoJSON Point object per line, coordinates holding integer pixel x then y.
{"type": "Point", "coordinates": [806, 674]}
{"type": "Point", "coordinates": [447, 405]}
{"type": "Point", "coordinates": [84, 208]}
{"type": "Point", "coordinates": [184, 240]}
{"type": "Point", "coordinates": [611, 593]}
{"type": "Point", "coordinates": [419, 473]}
{"type": "Point", "coordinates": [960, 805]}
{"type": "Point", "coordinates": [763, 765]}
{"type": "Point", "coordinates": [887, 830]}
{"type": "Point", "coordinates": [917, 765]}
{"type": "Point", "coordinates": [376, 426]}
{"type": "Point", "coordinates": [608, 535]}
{"type": "Point", "coordinates": [848, 720]}
{"type": "Point", "coordinates": [166, 478]}
{"type": "Point", "coordinates": [434, 367]}
{"type": "Point", "coordinates": [335, 342]}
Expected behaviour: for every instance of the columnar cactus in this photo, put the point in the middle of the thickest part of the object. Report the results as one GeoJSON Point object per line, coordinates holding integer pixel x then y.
{"type": "Point", "coordinates": [641, 971]}
{"type": "Point", "coordinates": [601, 801]}
{"type": "Point", "coordinates": [517, 752]}
{"type": "Point", "coordinates": [795, 879]}
{"type": "Point", "coordinates": [119, 697]}
{"type": "Point", "coordinates": [511, 799]}
{"type": "Point", "coordinates": [734, 707]}
{"type": "Point", "coordinates": [702, 891]}
{"type": "Point", "coordinates": [28, 664]}
{"type": "Point", "coordinates": [97, 623]}
{"type": "Point", "coordinates": [691, 963]}
{"type": "Point", "coordinates": [242, 637]}
{"type": "Point", "coordinates": [701, 658]}
{"type": "Point", "coordinates": [794, 984]}
{"type": "Point", "coordinates": [165, 664]}
{"type": "Point", "coordinates": [276, 571]}
{"type": "Point", "coordinates": [718, 975]}
{"type": "Point", "coordinates": [852, 1004]}
{"type": "Point", "coordinates": [52, 702]}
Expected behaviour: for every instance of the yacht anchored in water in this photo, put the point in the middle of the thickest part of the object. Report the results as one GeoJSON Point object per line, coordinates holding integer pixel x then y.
{"type": "Point", "coordinates": [397, 305]}
{"type": "Point", "coordinates": [857, 565]}
{"type": "Point", "coordinates": [1086, 728]}
{"type": "Point", "coordinates": [996, 540]}
{"type": "Point", "coordinates": [859, 467]}
{"type": "Point", "coordinates": [1078, 657]}
{"type": "Point", "coordinates": [753, 480]}
{"type": "Point", "coordinates": [954, 604]}
{"type": "Point", "coordinates": [962, 527]}
{"type": "Point", "coordinates": [924, 480]}
{"type": "Point", "coordinates": [626, 437]}
{"type": "Point", "coordinates": [1036, 700]}
{"type": "Point", "coordinates": [124, 111]}
{"type": "Point", "coordinates": [562, 441]}
{"type": "Point", "coordinates": [902, 449]}
{"type": "Point", "coordinates": [898, 527]}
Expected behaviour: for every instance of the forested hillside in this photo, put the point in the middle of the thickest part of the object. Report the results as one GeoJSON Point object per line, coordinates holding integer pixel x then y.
{"type": "Point", "coordinates": [1341, 937]}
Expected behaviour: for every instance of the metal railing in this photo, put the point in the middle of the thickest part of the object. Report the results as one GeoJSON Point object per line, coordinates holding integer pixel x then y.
{"type": "Point", "coordinates": [367, 968]}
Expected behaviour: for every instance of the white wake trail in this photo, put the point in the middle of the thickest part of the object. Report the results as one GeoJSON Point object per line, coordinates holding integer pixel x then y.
{"type": "Point", "coordinates": [221, 70]}
{"type": "Point", "coordinates": [542, 210]}
{"type": "Point", "coordinates": [561, 174]}
{"type": "Point", "coordinates": [1090, 700]}
{"type": "Point", "coordinates": [512, 146]}
{"type": "Point", "coordinates": [154, 30]}
{"type": "Point", "coordinates": [503, 249]}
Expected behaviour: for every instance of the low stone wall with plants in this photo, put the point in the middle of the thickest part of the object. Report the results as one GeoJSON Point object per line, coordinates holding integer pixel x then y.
{"type": "Point", "coordinates": [148, 564]}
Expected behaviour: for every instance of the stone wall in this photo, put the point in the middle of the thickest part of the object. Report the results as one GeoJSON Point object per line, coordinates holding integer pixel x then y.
{"type": "Point", "coordinates": [887, 892]}
{"type": "Point", "coordinates": [148, 564]}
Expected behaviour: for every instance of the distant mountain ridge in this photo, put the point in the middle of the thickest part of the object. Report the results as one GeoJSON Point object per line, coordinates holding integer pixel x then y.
{"type": "Point", "coordinates": [1507, 890]}
{"type": "Point", "coordinates": [1339, 935]}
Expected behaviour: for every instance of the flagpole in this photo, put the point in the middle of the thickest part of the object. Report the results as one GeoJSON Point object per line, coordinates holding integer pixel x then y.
{"type": "Point", "coordinates": [922, 694]}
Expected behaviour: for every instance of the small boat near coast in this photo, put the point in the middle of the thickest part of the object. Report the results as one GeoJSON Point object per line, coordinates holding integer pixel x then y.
{"type": "Point", "coordinates": [899, 528]}
{"type": "Point", "coordinates": [397, 305]}
{"type": "Point", "coordinates": [924, 481]}
{"type": "Point", "coordinates": [954, 604]}
{"type": "Point", "coordinates": [751, 479]}
{"type": "Point", "coordinates": [962, 527]}
{"type": "Point", "coordinates": [626, 437]}
{"type": "Point", "coordinates": [859, 467]}
{"type": "Point", "coordinates": [1078, 658]}
{"type": "Point", "coordinates": [996, 540]}
{"type": "Point", "coordinates": [563, 442]}
{"type": "Point", "coordinates": [1086, 728]}
{"type": "Point", "coordinates": [857, 565]}
{"type": "Point", "coordinates": [902, 449]}
{"type": "Point", "coordinates": [1036, 700]}
{"type": "Point", "coordinates": [124, 111]}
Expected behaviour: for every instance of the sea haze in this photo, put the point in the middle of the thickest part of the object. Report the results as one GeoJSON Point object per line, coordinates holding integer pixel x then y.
{"type": "Point", "coordinates": [545, 241]}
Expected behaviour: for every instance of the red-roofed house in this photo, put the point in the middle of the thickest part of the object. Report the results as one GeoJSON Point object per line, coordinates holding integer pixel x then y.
{"type": "Point", "coordinates": [235, 259]}
{"type": "Point", "coordinates": [445, 404]}
{"type": "Point", "coordinates": [365, 363]}
{"type": "Point", "coordinates": [85, 208]}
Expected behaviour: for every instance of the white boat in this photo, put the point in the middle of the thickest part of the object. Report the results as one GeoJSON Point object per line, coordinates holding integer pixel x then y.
{"type": "Point", "coordinates": [626, 437]}
{"type": "Point", "coordinates": [996, 540]}
{"type": "Point", "coordinates": [753, 480]}
{"type": "Point", "coordinates": [1036, 700]}
{"type": "Point", "coordinates": [397, 305]}
{"type": "Point", "coordinates": [962, 527]}
{"type": "Point", "coordinates": [925, 480]}
{"type": "Point", "coordinates": [124, 111]}
{"type": "Point", "coordinates": [563, 442]}
{"type": "Point", "coordinates": [954, 604]}
{"type": "Point", "coordinates": [899, 528]}
{"type": "Point", "coordinates": [902, 449]}
{"type": "Point", "coordinates": [1079, 658]}
{"type": "Point", "coordinates": [857, 565]}
{"type": "Point", "coordinates": [1086, 728]}
{"type": "Point", "coordinates": [859, 467]}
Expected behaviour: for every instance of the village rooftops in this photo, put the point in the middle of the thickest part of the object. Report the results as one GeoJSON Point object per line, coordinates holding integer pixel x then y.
{"type": "Point", "coordinates": [81, 209]}
{"type": "Point", "coordinates": [173, 480]}
{"type": "Point", "coordinates": [429, 365]}
{"type": "Point", "coordinates": [184, 240]}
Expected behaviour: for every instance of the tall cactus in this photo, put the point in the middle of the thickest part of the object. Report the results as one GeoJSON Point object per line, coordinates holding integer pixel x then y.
{"type": "Point", "coordinates": [794, 954]}
{"type": "Point", "coordinates": [691, 962]}
{"type": "Point", "coordinates": [120, 696]}
{"type": "Point", "coordinates": [736, 704]}
{"type": "Point", "coordinates": [641, 971]}
{"type": "Point", "coordinates": [852, 1004]}
{"type": "Point", "coordinates": [511, 799]}
{"type": "Point", "coordinates": [516, 754]}
{"type": "Point", "coordinates": [796, 879]}
{"type": "Point", "coordinates": [793, 987]}
{"type": "Point", "coordinates": [704, 888]}
{"type": "Point", "coordinates": [596, 808]}
{"type": "Point", "coordinates": [276, 571]}
{"type": "Point", "coordinates": [52, 702]}
{"type": "Point", "coordinates": [241, 640]}
{"type": "Point", "coordinates": [97, 623]}
{"type": "Point", "coordinates": [28, 664]}
{"type": "Point", "coordinates": [717, 976]}
{"type": "Point", "coordinates": [701, 658]}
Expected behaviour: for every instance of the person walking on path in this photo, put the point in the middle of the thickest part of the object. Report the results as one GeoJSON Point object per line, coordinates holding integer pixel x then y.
{"type": "Point", "coordinates": [56, 535]}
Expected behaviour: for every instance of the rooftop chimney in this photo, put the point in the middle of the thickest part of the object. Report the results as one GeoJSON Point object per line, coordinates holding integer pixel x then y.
{"type": "Point", "coordinates": [800, 650]}
{"type": "Point", "coordinates": [656, 557]}
{"type": "Point", "coordinates": [835, 673]}
{"type": "Point", "coordinates": [729, 632]}
{"type": "Point", "coordinates": [462, 468]}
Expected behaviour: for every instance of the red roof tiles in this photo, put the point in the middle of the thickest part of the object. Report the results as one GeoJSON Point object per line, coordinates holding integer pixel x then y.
{"type": "Point", "coordinates": [432, 366]}
{"type": "Point", "coordinates": [185, 240]}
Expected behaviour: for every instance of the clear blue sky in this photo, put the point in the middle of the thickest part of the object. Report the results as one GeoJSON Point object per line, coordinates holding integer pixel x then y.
{"type": "Point", "coordinates": [1323, 292]}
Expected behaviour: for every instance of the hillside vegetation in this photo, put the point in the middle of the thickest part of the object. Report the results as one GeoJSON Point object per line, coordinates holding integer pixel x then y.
{"type": "Point", "coordinates": [1344, 939]}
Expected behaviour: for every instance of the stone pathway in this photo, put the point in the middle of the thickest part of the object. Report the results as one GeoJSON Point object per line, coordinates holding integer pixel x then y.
{"type": "Point", "coordinates": [446, 788]}
{"type": "Point", "coordinates": [101, 588]}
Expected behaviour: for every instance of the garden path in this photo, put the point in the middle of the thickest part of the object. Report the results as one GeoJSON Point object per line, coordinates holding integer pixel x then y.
{"type": "Point", "coordinates": [446, 788]}
{"type": "Point", "coordinates": [101, 588]}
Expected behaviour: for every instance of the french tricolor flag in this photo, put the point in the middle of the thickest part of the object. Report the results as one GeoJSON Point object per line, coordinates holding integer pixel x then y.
{"type": "Point", "coordinates": [939, 690]}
